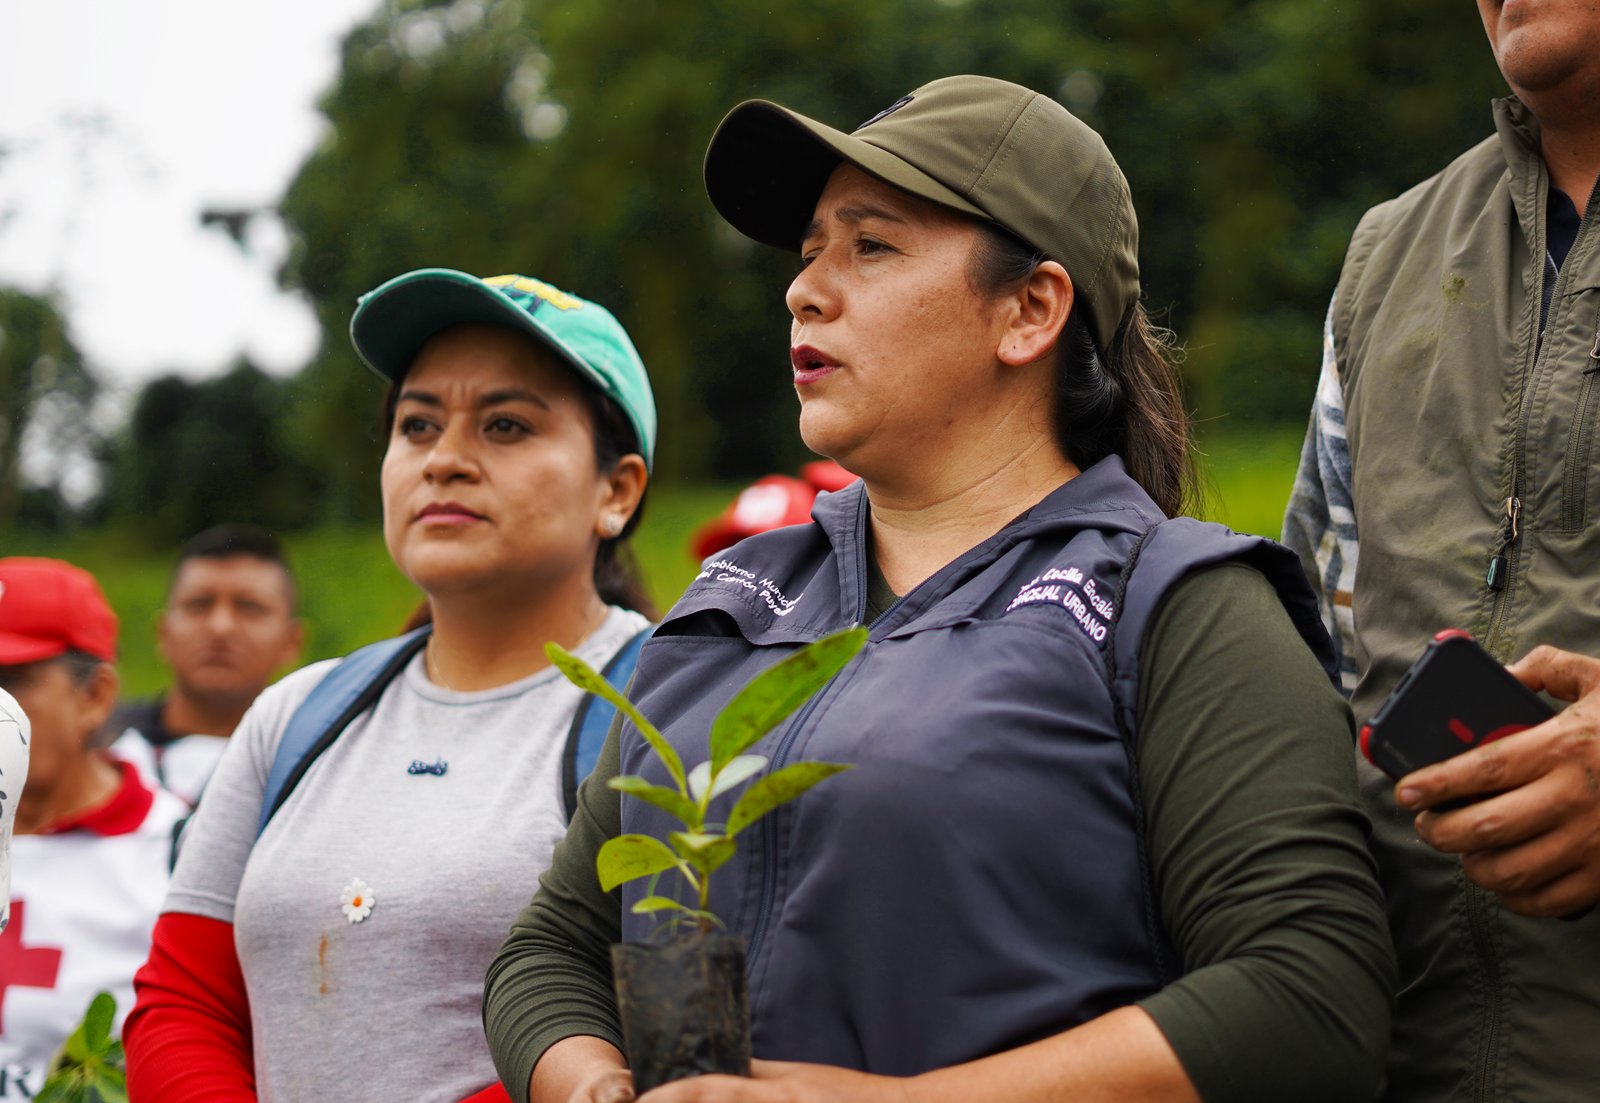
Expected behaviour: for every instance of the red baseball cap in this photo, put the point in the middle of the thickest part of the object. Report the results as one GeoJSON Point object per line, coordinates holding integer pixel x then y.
{"type": "Point", "coordinates": [770, 502]}
{"type": "Point", "coordinates": [826, 475]}
{"type": "Point", "coordinates": [48, 608]}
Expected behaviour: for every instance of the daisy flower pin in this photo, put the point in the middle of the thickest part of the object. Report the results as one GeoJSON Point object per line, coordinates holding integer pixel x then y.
{"type": "Point", "coordinates": [356, 900]}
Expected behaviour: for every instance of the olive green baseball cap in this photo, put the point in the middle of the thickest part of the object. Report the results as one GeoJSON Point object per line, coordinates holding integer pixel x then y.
{"type": "Point", "coordinates": [987, 148]}
{"type": "Point", "coordinates": [393, 321]}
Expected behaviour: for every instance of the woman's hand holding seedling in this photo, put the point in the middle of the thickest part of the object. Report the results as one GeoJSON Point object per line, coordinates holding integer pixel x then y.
{"type": "Point", "coordinates": [702, 847]}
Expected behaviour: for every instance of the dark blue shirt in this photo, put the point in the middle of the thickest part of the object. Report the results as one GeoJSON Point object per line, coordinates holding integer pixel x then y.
{"type": "Point", "coordinates": [1561, 223]}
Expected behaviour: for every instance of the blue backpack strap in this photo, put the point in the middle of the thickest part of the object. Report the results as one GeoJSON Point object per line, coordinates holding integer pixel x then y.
{"type": "Point", "coordinates": [593, 720]}
{"type": "Point", "coordinates": [347, 691]}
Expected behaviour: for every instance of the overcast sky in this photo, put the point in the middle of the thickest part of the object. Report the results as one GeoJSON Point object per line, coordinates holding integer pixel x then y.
{"type": "Point", "coordinates": [123, 120]}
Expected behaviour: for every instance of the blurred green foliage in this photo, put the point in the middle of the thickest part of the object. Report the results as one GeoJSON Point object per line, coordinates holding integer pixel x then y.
{"type": "Point", "coordinates": [44, 388]}
{"type": "Point", "coordinates": [196, 453]}
{"type": "Point", "coordinates": [564, 139]}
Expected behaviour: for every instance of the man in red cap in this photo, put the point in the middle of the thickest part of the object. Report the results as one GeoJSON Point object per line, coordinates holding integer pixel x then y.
{"type": "Point", "coordinates": [93, 841]}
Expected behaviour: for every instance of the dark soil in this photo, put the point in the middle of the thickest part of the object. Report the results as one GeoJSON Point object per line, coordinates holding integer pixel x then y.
{"type": "Point", "coordinates": [683, 1007]}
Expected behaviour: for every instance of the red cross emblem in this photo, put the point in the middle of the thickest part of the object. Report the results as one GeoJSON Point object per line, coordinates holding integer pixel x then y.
{"type": "Point", "coordinates": [24, 967]}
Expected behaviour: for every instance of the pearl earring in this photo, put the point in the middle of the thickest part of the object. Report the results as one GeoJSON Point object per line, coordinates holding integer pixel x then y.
{"type": "Point", "coordinates": [613, 527]}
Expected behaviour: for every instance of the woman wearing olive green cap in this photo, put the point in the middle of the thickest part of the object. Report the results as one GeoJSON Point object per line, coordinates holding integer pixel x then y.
{"type": "Point", "coordinates": [1100, 838]}
{"type": "Point", "coordinates": [327, 937]}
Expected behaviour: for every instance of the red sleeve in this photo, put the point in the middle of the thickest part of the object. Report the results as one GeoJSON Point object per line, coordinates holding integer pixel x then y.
{"type": "Point", "coordinates": [494, 1093]}
{"type": "Point", "coordinates": [188, 1037]}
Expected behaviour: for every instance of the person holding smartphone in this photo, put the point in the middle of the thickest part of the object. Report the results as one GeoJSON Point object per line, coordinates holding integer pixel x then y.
{"type": "Point", "coordinates": [1450, 480]}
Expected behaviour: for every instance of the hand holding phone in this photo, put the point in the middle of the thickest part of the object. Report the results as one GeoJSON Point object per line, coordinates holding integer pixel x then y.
{"type": "Point", "coordinates": [1454, 698]}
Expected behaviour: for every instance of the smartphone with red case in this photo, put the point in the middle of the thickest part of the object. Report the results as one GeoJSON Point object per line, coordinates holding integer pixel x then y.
{"type": "Point", "coordinates": [1454, 698]}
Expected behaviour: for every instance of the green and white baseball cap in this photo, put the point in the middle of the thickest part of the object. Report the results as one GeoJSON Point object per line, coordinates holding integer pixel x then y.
{"type": "Point", "coordinates": [990, 149]}
{"type": "Point", "coordinates": [393, 321]}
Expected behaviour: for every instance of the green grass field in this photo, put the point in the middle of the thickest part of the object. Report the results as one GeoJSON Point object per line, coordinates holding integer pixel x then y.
{"type": "Point", "coordinates": [352, 594]}
{"type": "Point", "coordinates": [1250, 476]}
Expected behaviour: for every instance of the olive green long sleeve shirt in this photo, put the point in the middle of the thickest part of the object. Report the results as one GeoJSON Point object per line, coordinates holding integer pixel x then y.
{"type": "Point", "coordinates": [1257, 849]}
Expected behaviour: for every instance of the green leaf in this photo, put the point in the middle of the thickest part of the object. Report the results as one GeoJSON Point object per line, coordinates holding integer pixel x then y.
{"type": "Point", "coordinates": [777, 789]}
{"type": "Point", "coordinates": [668, 800]}
{"type": "Point", "coordinates": [97, 1021]}
{"type": "Point", "coordinates": [777, 691]}
{"type": "Point", "coordinates": [706, 852]}
{"type": "Point", "coordinates": [75, 1050]}
{"type": "Point", "coordinates": [705, 789]}
{"type": "Point", "coordinates": [699, 781]}
{"type": "Point", "coordinates": [60, 1088]}
{"type": "Point", "coordinates": [652, 904]}
{"type": "Point", "coordinates": [111, 1086]}
{"type": "Point", "coordinates": [585, 677]}
{"type": "Point", "coordinates": [629, 856]}
{"type": "Point", "coordinates": [737, 771]}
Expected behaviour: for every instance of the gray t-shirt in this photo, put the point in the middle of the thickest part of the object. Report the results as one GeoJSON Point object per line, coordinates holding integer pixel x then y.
{"type": "Point", "coordinates": [385, 1006]}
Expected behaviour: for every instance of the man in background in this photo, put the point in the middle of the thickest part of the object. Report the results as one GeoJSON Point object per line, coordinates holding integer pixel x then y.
{"type": "Point", "coordinates": [93, 840]}
{"type": "Point", "coordinates": [1451, 479]}
{"type": "Point", "coordinates": [229, 625]}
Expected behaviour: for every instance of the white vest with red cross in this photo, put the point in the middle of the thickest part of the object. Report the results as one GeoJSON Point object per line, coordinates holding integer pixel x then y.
{"type": "Point", "coordinates": [84, 898]}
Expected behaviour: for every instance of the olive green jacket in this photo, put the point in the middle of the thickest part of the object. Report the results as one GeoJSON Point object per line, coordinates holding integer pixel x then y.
{"type": "Point", "coordinates": [1472, 442]}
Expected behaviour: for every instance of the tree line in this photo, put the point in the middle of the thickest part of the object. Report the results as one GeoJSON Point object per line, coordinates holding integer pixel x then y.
{"type": "Point", "coordinates": [563, 139]}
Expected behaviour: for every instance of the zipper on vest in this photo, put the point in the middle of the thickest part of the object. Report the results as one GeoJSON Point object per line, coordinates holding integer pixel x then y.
{"type": "Point", "coordinates": [1500, 563]}
{"type": "Point", "coordinates": [1575, 482]}
{"type": "Point", "coordinates": [780, 757]}
{"type": "Point", "coordinates": [1483, 949]}
{"type": "Point", "coordinates": [769, 835]}
{"type": "Point", "coordinates": [1503, 563]}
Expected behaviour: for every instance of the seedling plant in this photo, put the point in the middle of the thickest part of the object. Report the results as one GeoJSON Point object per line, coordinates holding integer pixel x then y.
{"type": "Point", "coordinates": [704, 846]}
{"type": "Point", "coordinates": [89, 1067]}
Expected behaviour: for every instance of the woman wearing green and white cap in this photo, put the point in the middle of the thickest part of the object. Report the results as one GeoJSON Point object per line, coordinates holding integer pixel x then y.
{"type": "Point", "coordinates": [1100, 839]}
{"type": "Point", "coordinates": [328, 938]}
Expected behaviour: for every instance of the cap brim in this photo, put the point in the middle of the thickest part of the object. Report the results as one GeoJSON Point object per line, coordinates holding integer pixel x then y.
{"type": "Point", "coordinates": [393, 321]}
{"type": "Point", "coordinates": [17, 650]}
{"type": "Point", "coordinates": [766, 167]}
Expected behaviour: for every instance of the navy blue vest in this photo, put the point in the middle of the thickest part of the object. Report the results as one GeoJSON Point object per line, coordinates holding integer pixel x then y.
{"type": "Point", "coordinates": [976, 882]}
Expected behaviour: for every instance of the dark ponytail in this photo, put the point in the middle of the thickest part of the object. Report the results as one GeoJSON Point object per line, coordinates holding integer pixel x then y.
{"type": "Point", "coordinates": [1128, 403]}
